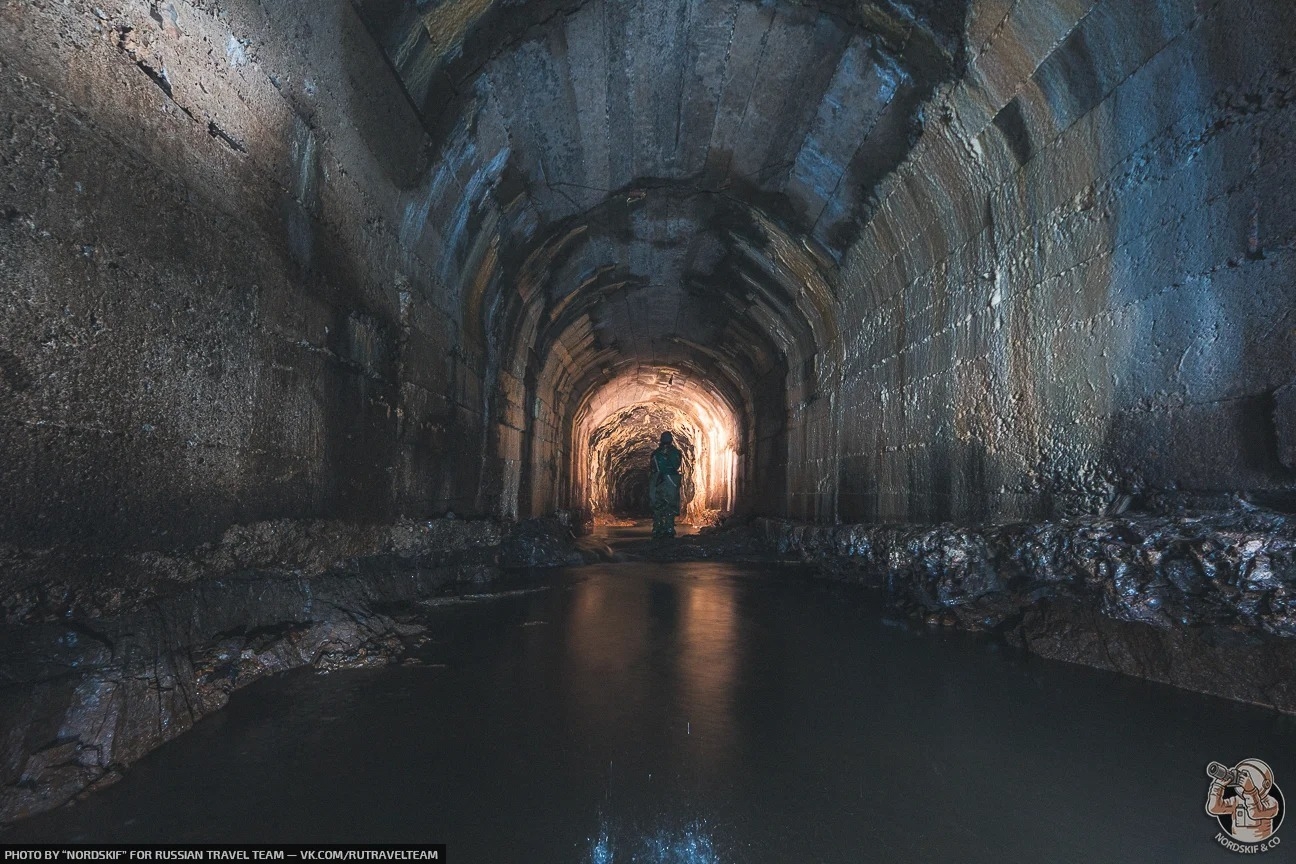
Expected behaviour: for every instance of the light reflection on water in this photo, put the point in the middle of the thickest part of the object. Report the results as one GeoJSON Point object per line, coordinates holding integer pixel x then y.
{"type": "Point", "coordinates": [699, 712]}
{"type": "Point", "coordinates": [689, 845]}
{"type": "Point", "coordinates": [675, 646]}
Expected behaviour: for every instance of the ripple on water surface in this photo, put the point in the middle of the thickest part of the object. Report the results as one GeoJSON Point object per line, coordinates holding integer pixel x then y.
{"type": "Point", "coordinates": [698, 712]}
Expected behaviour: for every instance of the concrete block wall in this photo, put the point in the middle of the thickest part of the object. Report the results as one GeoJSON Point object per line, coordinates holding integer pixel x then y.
{"type": "Point", "coordinates": [1082, 282]}
{"type": "Point", "coordinates": [1036, 262]}
{"type": "Point", "coordinates": [217, 303]}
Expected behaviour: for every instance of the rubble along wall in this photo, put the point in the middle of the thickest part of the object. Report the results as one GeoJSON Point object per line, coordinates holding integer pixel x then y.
{"type": "Point", "coordinates": [216, 304]}
{"type": "Point", "coordinates": [97, 674]}
{"type": "Point", "coordinates": [92, 701]}
{"type": "Point", "coordinates": [1207, 603]}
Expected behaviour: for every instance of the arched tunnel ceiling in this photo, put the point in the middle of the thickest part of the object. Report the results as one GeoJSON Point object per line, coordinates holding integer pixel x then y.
{"type": "Point", "coordinates": [672, 280]}
{"type": "Point", "coordinates": [661, 181]}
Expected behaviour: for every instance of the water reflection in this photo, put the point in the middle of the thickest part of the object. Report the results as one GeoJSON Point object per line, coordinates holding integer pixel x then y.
{"type": "Point", "coordinates": [697, 713]}
{"type": "Point", "coordinates": [708, 664]}
{"type": "Point", "coordinates": [666, 645]}
{"type": "Point", "coordinates": [689, 845]}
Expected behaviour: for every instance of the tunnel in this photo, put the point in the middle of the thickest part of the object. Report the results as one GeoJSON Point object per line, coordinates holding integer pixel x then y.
{"type": "Point", "coordinates": [337, 337]}
{"type": "Point", "coordinates": [619, 425]}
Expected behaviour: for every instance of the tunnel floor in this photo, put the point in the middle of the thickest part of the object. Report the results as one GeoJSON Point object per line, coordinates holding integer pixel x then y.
{"type": "Point", "coordinates": [698, 712]}
{"type": "Point", "coordinates": [624, 536]}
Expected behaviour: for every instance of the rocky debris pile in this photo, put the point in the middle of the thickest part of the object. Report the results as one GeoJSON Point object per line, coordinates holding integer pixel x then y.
{"type": "Point", "coordinates": [99, 668]}
{"type": "Point", "coordinates": [1205, 602]}
{"type": "Point", "coordinates": [53, 585]}
{"type": "Point", "coordinates": [82, 700]}
{"type": "Point", "coordinates": [539, 543]}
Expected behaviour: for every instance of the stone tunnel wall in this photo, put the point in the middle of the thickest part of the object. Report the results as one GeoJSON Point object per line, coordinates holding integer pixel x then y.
{"type": "Point", "coordinates": [241, 282]}
{"type": "Point", "coordinates": [215, 298]}
{"type": "Point", "coordinates": [1079, 286]}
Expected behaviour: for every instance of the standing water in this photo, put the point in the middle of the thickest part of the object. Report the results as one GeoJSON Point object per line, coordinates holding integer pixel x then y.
{"type": "Point", "coordinates": [698, 712]}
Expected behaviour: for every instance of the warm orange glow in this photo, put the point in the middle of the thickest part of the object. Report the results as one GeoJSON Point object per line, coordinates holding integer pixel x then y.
{"type": "Point", "coordinates": [613, 634]}
{"type": "Point", "coordinates": [709, 654]}
{"type": "Point", "coordinates": [618, 426]}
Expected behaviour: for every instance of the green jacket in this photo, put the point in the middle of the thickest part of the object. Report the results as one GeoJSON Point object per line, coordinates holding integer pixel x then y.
{"type": "Point", "coordinates": [664, 480]}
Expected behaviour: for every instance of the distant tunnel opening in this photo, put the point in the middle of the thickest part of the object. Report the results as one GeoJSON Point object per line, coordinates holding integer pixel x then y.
{"type": "Point", "coordinates": [630, 495]}
{"type": "Point", "coordinates": [620, 450]}
{"type": "Point", "coordinates": [622, 425]}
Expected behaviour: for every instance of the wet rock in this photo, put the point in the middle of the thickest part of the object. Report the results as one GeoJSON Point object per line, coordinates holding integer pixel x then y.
{"type": "Point", "coordinates": [61, 584]}
{"type": "Point", "coordinates": [52, 787]}
{"type": "Point", "coordinates": [1206, 602]}
{"type": "Point", "coordinates": [85, 696]}
{"type": "Point", "coordinates": [539, 543]}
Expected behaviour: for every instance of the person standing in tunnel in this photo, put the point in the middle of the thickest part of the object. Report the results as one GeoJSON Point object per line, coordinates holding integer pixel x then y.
{"type": "Point", "coordinates": [664, 486]}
